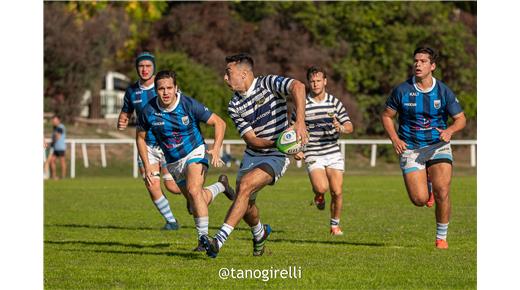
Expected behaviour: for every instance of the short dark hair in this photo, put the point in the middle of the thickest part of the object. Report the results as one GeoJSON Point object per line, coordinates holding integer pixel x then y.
{"type": "Point", "coordinates": [242, 58]}
{"type": "Point", "coordinates": [427, 50]}
{"type": "Point", "coordinates": [165, 74]}
{"type": "Point", "coordinates": [314, 70]}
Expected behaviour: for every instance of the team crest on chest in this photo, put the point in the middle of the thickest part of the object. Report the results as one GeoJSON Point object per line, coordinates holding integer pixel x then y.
{"type": "Point", "coordinates": [185, 120]}
{"type": "Point", "coordinates": [330, 114]}
{"type": "Point", "coordinates": [437, 104]}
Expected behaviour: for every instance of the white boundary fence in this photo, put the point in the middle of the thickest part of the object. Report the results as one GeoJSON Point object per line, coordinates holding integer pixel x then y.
{"type": "Point", "coordinates": [227, 148]}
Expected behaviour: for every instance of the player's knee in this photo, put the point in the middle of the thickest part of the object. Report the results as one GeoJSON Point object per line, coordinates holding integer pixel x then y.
{"type": "Point", "coordinates": [245, 189]}
{"type": "Point", "coordinates": [419, 200]}
{"type": "Point", "coordinates": [336, 194]}
{"type": "Point", "coordinates": [194, 191]}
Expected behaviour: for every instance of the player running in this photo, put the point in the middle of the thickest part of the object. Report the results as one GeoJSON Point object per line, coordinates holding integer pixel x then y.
{"type": "Point", "coordinates": [136, 97]}
{"type": "Point", "coordinates": [259, 110]}
{"type": "Point", "coordinates": [326, 118]}
{"type": "Point", "coordinates": [173, 118]}
{"type": "Point", "coordinates": [423, 140]}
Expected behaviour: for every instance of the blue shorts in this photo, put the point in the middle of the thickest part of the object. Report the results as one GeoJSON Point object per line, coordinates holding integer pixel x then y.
{"type": "Point", "coordinates": [278, 164]}
{"type": "Point", "coordinates": [419, 159]}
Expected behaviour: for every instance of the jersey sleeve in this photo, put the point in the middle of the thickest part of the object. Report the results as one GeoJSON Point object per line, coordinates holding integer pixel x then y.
{"type": "Point", "coordinates": [393, 100]}
{"type": "Point", "coordinates": [142, 121]}
{"type": "Point", "coordinates": [128, 106]}
{"type": "Point", "coordinates": [341, 112]}
{"type": "Point", "coordinates": [278, 84]}
{"type": "Point", "coordinates": [200, 112]}
{"type": "Point", "coordinates": [240, 123]}
{"type": "Point", "coordinates": [452, 103]}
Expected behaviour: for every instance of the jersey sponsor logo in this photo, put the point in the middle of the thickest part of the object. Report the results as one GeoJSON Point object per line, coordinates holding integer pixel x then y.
{"type": "Point", "coordinates": [410, 104]}
{"type": "Point", "coordinates": [185, 120]}
{"type": "Point", "coordinates": [161, 123]}
{"type": "Point", "coordinates": [157, 114]}
{"type": "Point", "coordinates": [137, 101]}
{"type": "Point", "coordinates": [138, 92]}
{"type": "Point", "coordinates": [413, 94]}
{"type": "Point", "coordinates": [437, 104]}
{"type": "Point", "coordinates": [261, 116]}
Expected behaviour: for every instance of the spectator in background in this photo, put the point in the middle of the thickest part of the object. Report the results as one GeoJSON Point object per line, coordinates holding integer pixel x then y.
{"type": "Point", "coordinates": [58, 146]}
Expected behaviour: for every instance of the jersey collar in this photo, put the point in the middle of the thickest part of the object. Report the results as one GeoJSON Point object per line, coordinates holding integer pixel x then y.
{"type": "Point", "coordinates": [145, 88]}
{"type": "Point", "coordinates": [316, 101]}
{"type": "Point", "coordinates": [428, 89]}
{"type": "Point", "coordinates": [249, 91]}
{"type": "Point", "coordinates": [174, 105]}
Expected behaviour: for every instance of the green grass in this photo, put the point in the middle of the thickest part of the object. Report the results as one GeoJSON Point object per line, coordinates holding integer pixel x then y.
{"type": "Point", "coordinates": [103, 233]}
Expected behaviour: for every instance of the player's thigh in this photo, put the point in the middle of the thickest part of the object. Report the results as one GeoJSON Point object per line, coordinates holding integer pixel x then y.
{"type": "Point", "coordinates": [255, 179]}
{"type": "Point", "coordinates": [440, 177]}
{"type": "Point", "coordinates": [335, 178]}
{"type": "Point", "coordinates": [319, 180]}
{"type": "Point", "coordinates": [416, 184]}
{"type": "Point", "coordinates": [195, 176]}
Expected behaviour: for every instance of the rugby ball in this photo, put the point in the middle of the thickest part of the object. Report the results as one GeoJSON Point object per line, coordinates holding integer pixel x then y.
{"type": "Point", "coordinates": [287, 143]}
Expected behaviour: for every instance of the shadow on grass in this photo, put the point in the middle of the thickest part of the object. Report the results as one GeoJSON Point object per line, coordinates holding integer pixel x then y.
{"type": "Point", "coordinates": [188, 255]}
{"type": "Point", "coordinates": [133, 228]}
{"type": "Point", "coordinates": [99, 243]}
{"type": "Point", "coordinates": [338, 242]}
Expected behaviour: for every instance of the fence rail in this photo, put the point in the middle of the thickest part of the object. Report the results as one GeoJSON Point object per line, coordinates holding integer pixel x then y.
{"type": "Point", "coordinates": [227, 148]}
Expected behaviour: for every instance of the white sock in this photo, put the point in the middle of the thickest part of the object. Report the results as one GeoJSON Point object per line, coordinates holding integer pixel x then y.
{"type": "Point", "coordinates": [202, 224]}
{"type": "Point", "coordinates": [334, 222]}
{"type": "Point", "coordinates": [215, 189]}
{"type": "Point", "coordinates": [223, 234]}
{"type": "Point", "coordinates": [442, 231]}
{"type": "Point", "coordinates": [164, 208]}
{"type": "Point", "coordinates": [258, 231]}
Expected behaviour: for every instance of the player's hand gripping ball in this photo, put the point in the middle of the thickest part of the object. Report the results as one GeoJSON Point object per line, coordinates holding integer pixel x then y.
{"type": "Point", "coordinates": [287, 143]}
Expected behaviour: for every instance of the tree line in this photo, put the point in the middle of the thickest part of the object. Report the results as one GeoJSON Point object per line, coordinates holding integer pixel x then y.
{"type": "Point", "coordinates": [366, 48]}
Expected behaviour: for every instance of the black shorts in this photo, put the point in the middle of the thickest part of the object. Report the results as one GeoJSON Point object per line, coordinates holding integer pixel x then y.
{"type": "Point", "coordinates": [59, 153]}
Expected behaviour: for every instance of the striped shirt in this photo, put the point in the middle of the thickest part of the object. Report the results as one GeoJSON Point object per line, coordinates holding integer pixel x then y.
{"type": "Point", "coordinates": [136, 98]}
{"type": "Point", "coordinates": [262, 109]}
{"type": "Point", "coordinates": [176, 129]}
{"type": "Point", "coordinates": [420, 112]}
{"type": "Point", "coordinates": [323, 137]}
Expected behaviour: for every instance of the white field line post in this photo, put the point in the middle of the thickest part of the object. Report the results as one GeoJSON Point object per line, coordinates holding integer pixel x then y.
{"type": "Point", "coordinates": [373, 155]}
{"type": "Point", "coordinates": [473, 155]}
{"type": "Point", "coordinates": [73, 159]}
{"type": "Point", "coordinates": [103, 155]}
{"type": "Point", "coordinates": [85, 154]}
{"type": "Point", "coordinates": [135, 161]}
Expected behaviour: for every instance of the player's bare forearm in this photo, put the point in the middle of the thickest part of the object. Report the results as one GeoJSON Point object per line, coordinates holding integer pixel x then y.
{"type": "Point", "coordinates": [122, 121]}
{"type": "Point", "coordinates": [388, 125]}
{"type": "Point", "coordinates": [297, 90]}
{"type": "Point", "coordinates": [141, 147]}
{"type": "Point", "coordinates": [347, 128]}
{"type": "Point", "coordinates": [459, 122]}
{"type": "Point", "coordinates": [257, 143]}
{"type": "Point", "coordinates": [220, 130]}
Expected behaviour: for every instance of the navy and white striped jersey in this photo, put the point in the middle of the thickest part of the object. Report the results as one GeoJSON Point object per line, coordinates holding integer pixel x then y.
{"type": "Point", "coordinates": [323, 137]}
{"type": "Point", "coordinates": [177, 130]}
{"type": "Point", "coordinates": [262, 109]}
{"type": "Point", "coordinates": [136, 97]}
{"type": "Point", "coordinates": [420, 112]}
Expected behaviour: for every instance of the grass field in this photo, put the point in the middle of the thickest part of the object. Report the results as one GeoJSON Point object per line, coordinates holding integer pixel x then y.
{"type": "Point", "coordinates": [103, 233]}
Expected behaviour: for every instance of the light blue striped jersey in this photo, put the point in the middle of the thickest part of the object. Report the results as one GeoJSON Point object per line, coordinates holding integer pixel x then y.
{"type": "Point", "coordinates": [177, 129]}
{"type": "Point", "coordinates": [136, 97]}
{"type": "Point", "coordinates": [323, 137]}
{"type": "Point", "coordinates": [262, 109]}
{"type": "Point", "coordinates": [420, 112]}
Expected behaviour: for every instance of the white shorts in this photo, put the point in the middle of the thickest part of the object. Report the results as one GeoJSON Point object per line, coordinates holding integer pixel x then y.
{"type": "Point", "coordinates": [419, 159]}
{"type": "Point", "coordinates": [279, 165]}
{"type": "Point", "coordinates": [155, 156]}
{"type": "Point", "coordinates": [178, 169]}
{"type": "Point", "coordinates": [333, 161]}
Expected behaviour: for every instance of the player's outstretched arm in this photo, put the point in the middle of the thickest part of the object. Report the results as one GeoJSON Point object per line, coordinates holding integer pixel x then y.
{"type": "Point", "coordinates": [255, 142]}
{"type": "Point", "coordinates": [387, 117]}
{"type": "Point", "coordinates": [298, 98]}
{"type": "Point", "coordinates": [143, 153]}
{"type": "Point", "coordinates": [459, 122]}
{"type": "Point", "coordinates": [220, 129]}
